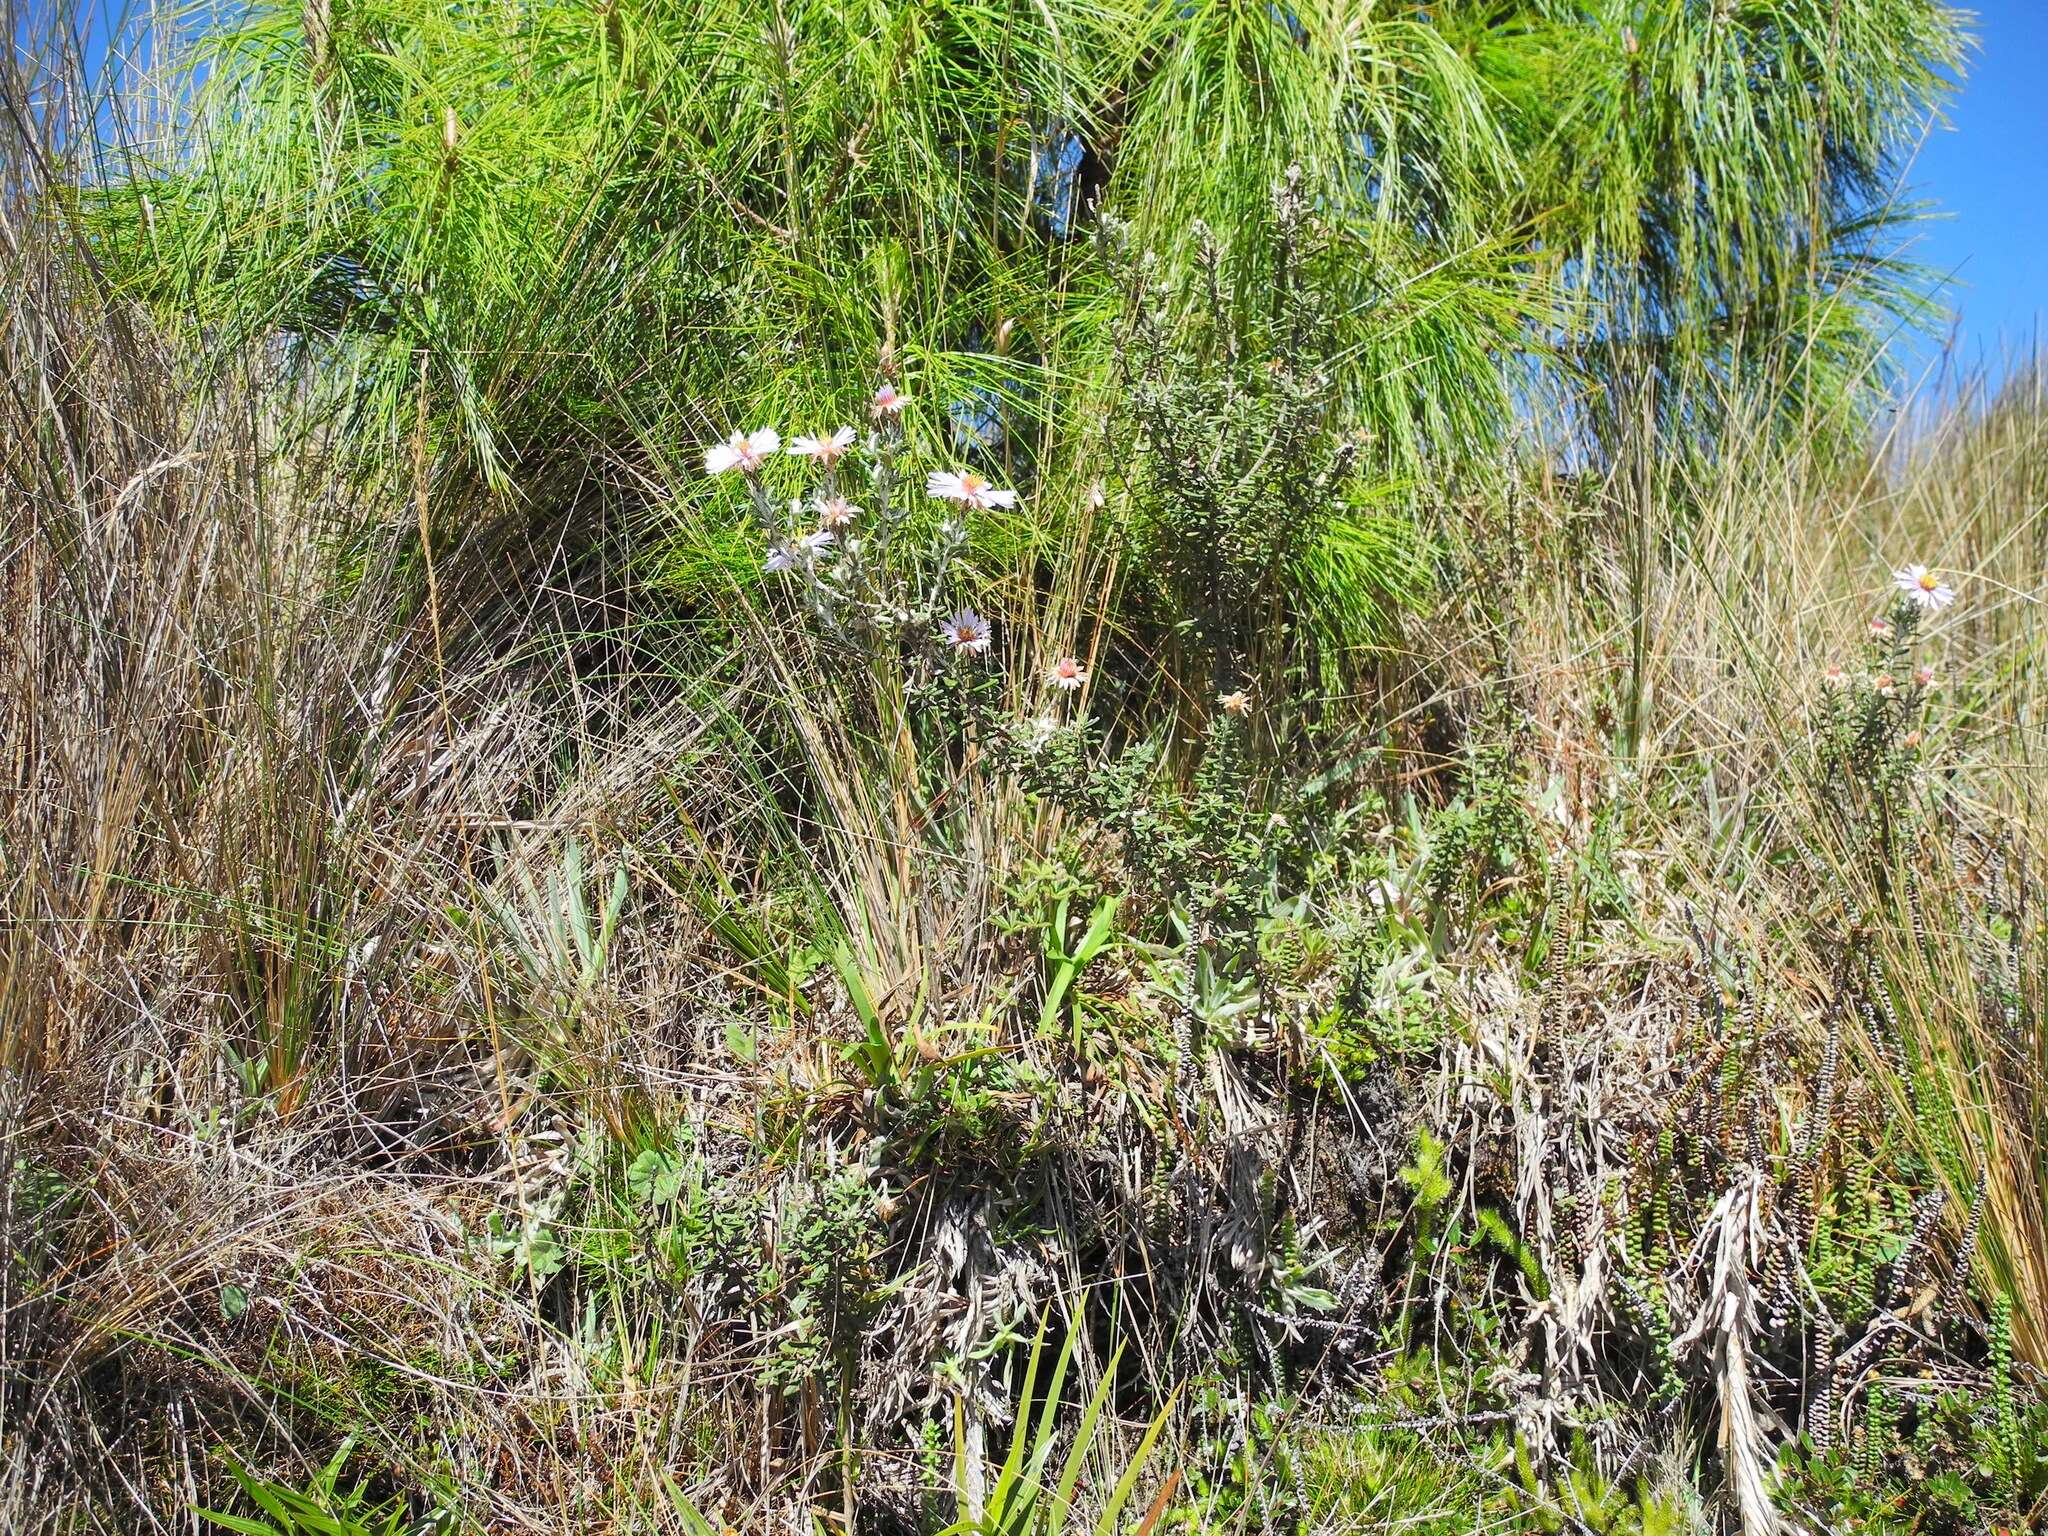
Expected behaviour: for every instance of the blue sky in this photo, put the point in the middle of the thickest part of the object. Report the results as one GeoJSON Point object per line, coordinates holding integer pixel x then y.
{"type": "Point", "coordinates": [1988, 172]}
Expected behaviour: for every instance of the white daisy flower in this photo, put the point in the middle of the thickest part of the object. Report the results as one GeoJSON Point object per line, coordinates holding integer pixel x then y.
{"type": "Point", "coordinates": [887, 402]}
{"type": "Point", "coordinates": [1885, 685]}
{"type": "Point", "coordinates": [1834, 677]}
{"type": "Point", "coordinates": [967, 631]}
{"type": "Point", "coordinates": [837, 512]}
{"type": "Point", "coordinates": [743, 451]}
{"type": "Point", "coordinates": [815, 544]}
{"type": "Point", "coordinates": [826, 450]}
{"type": "Point", "coordinates": [1924, 677]}
{"type": "Point", "coordinates": [780, 558]}
{"type": "Point", "coordinates": [967, 488]}
{"type": "Point", "coordinates": [1880, 629]}
{"type": "Point", "coordinates": [1236, 702]}
{"type": "Point", "coordinates": [1922, 588]}
{"type": "Point", "coordinates": [1067, 674]}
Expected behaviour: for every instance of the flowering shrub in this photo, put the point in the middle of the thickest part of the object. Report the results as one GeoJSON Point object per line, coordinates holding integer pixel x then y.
{"type": "Point", "coordinates": [1871, 723]}
{"type": "Point", "coordinates": [1204, 860]}
{"type": "Point", "coordinates": [857, 574]}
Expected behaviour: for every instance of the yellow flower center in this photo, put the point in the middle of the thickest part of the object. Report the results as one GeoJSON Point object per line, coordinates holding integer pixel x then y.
{"type": "Point", "coordinates": [1929, 581]}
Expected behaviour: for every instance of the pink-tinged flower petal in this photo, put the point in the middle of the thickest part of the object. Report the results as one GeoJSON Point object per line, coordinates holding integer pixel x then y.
{"type": "Point", "coordinates": [827, 450]}
{"type": "Point", "coordinates": [967, 631]}
{"type": "Point", "coordinates": [743, 451]}
{"type": "Point", "coordinates": [967, 488]}
{"type": "Point", "coordinates": [1067, 673]}
{"type": "Point", "coordinates": [1923, 588]}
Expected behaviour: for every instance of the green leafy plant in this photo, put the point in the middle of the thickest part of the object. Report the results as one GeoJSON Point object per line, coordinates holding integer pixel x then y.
{"type": "Point", "coordinates": [322, 1507]}
{"type": "Point", "coordinates": [1025, 1499]}
{"type": "Point", "coordinates": [1583, 1500]}
{"type": "Point", "coordinates": [1064, 965]}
